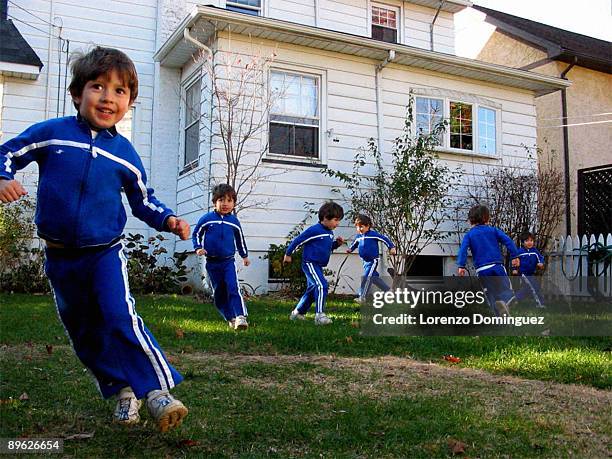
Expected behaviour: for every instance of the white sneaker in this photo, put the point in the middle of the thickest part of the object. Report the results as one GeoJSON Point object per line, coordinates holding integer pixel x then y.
{"type": "Point", "coordinates": [295, 315]}
{"type": "Point", "coordinates": [240, 323]}
{"type": "Point", "coordinates": [232, 323]}
{"type": "Point", "coordinates": [167, 411]}
{"type": "Point", "coordinates": [358, 300]}
{"type": "Point", "coordinates": [502, 308]}
{"type": "Point", "coordinates": [322, 319]}
{"type": "Point", "coordinates": [126, 410]}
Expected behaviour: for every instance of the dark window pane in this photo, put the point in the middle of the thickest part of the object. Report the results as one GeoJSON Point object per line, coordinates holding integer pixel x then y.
{"type": "Point", "coordinates": [467, 142]}
{"type": "Point", "coordinates": [192, 143]}
{"type": "Point", "coordinates": [280, 138]}
{"type": "Point", "coordinates": [306, 141]}
{"type": "Point", "coordinates": [384, 34]}
{"type": "Point", "coordinates": [455, 141]}
{"type": "Point", "coordinates": [238, 9]}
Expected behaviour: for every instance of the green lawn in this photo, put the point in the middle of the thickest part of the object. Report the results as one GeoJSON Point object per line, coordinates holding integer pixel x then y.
{"type": "Point", "coordinates": [292, 389]}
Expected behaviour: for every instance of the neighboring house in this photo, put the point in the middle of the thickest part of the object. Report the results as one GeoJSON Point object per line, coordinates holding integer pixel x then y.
{"type": "Point", "coordinates": [349, 65]}
{"type": "Point", "coordinates": [584, 147]}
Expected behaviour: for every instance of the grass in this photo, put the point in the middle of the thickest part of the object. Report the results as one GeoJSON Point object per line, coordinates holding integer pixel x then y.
{"type": "Point", "coordinates": [285, 389]}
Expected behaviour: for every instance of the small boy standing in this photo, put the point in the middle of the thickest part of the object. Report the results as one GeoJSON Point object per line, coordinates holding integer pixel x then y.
{"type": "Point", "coordinates": [319, 243]}
{"type": "Point", "coordinates": [84, 164]}
{"type": "Point", "coordinates": [216, 236]}
{"type": "Point", "coordinates": [531, 261]}
{"type": "Point", "coordinates": [483, 240]}
{"type": "Point", "coordinates": [367, 240]}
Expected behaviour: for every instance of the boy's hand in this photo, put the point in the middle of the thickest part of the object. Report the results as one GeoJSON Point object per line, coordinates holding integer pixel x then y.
{"type": "Point", "coordinates": [393, 251]}
{"type": "Point", "coordinates": [515, 272]}
{"type": "Point", "coordinates": [200, 252]}
{"type": "Point", "coordinates": [246, 261]}
{"type": "Point", "coordinates": [348, 251]}
{"type": "Point", "coordinates": [461, 271]}
{"type": "Point", "coordinates": [179, 227]}
{"type": "Point", "coordinates": [287, 259]}
{"type": "Point", "coordinates": [540, 265]}
{"type": "Point", "coordinates": [11, 190]}
{"type": "Point", "coordinates": [340, 240]}
{"type": "Point", "coordinates": [516, 263]}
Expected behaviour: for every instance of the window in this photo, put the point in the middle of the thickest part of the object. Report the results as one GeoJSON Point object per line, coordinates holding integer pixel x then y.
{"type": "Point", "coordinates": [461, 126]}
{"type": "Point", "coordinates": [125, 127]}
{"type": "Point", "coordinates": [385, 23]}
{"type": "Point", "coordinates": [192, 123]}
{"type": "Point", "coordinates": [252, 7]}
{"type": "Point", "coordinates": [472, 127]}
{"type": "Point", "coordinates": [486, 130]}
{"type": "Point", "coordinates": [294, 116]}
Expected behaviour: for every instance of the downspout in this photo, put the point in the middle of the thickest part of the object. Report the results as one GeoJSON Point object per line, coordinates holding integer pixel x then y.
{"type": "Point", "coordinates": [568, 207]}
{"type": "Point", "coordinates": [316, 11]}
{"type": "Point", "coordinates": [379, 98]}
{"type": "Point", "coordinates": [431, 26]}
{"type": "Point", "coordinates": [187, 35]}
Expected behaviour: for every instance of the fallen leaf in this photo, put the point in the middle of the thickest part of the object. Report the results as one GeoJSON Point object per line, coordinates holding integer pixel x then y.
{"type": "Point", "coordinates": [180, 334]}
{"type": "Point", "coordinates": [81, 436]}
{"type": "Point", "coordinates": [355, 324]}
{"type": "Point", "coordinates": [451, 358]}
{"type": "Point", "coordinates": [349, 339]}
{"type": "Point", "coordinates": [188, 443]}
{"type": "Point", "coordinates": [456, 446]}
{"type": "Point", "coordinates": [49, 348]}
{"type": "Point", "coordinates": [24, 396]}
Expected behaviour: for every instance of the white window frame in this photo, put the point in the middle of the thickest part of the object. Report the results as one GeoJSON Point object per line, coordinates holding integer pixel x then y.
{"type": "Point", "coordinates": [476, 103]}
{"type": "Point", "coordinates": [236, 4]}
{"type": "Point", "coordinates": [185, 85]}
{"type": "Point", "coordinates": [321, 77]}
{"type": "Point", "coordinates": [390, 5]}
{"type": "Point", "coordinates": [135, 112]}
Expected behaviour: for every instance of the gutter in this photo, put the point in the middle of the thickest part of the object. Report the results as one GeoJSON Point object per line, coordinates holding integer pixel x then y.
{"type": "Point", "coordinates": [431, 26]}
{"type": "Point", "coordinates": [566, 152]}
{"type": "Point", "coordinates": [379, 99]}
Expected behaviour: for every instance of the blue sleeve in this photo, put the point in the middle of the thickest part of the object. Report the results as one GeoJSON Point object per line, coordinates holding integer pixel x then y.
{"type": "Point", "coordinates": [20, 151]}
{"type": "Point", "coordinates": [540, 256]}
{"type": "Point", "coordinates": [354, 245]}
{"type": "Point", "coordinates": [509, 243]}
{"type": "Point", "coordinates": [145, 206]}
{"type": "Point", "coordinates": [385, 240]}
{"type": "Point", "coordinates": [462, 255]}
{"type": "Point", "coordinates": [299, 240]}
{"type": "Point", "coordinates": [240, 241]}
{"type": "Point", "coordinates": [335, 245]}
{"type": "Point", "coordinates": [197, 237]}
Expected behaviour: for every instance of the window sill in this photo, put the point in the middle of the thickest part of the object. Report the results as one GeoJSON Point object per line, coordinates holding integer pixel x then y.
{"type": "Point", "coordinates": [189, 167]}
{"type": "Point", "coordinates": [289, 162]}
{"type": "Point", "coordinates": [472, 154]}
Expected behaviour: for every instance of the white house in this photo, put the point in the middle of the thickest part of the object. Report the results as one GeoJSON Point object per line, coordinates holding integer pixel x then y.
{"type": "Point", "coordinates": [352, 64]}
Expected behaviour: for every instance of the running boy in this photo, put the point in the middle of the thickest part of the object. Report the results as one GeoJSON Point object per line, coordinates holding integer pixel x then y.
{"type": "Point", "coordinates": [531, 261]}
{"type": "Point", "coordinates": [216, 236]}
{"type": "Point", "coordinates": [84, 164]}
{"type": "Point", "coordinates": [483, 240]}
{"type": "Point", "coordinates": [318, 242]}
{"type": "Point", "coordinates": [367, 240]}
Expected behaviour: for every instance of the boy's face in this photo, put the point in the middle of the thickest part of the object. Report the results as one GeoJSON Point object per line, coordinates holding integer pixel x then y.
{"type": "Point", "coordinates": [104, 101]}
{"type": "Point", "coordinates": [224, 205]}
{"type": "Point", "coordinates": [528, 243]}
{"type": "Point", "coordinates": [361, 228]}
{"type": "Point", "coordinates": [331, 223]}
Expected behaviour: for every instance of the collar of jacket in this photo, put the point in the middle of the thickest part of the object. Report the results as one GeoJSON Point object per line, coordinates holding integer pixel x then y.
{"type": "Point", "coordinates": [86, 127]}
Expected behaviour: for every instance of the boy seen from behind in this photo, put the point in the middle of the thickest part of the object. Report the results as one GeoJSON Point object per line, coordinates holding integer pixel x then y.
{"type": "Point", "coordinates": [318, 242]}
{"type": "Point", "coordinates": [84, 164]}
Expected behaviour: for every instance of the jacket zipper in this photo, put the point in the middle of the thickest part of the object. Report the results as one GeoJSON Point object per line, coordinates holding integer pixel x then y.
{"type": "Point", "coordinates": [82, 189]}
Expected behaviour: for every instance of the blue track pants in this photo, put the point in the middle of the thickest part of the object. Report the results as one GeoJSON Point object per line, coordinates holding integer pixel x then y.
{"type": "Point", "coordinates": [496, 285]}
{"type": "Point", "coordinates": [371, 276]}
{"type": "Point", "coordinates": [224, 281]}
{"type": "Point", "coordinates": [316, 289]}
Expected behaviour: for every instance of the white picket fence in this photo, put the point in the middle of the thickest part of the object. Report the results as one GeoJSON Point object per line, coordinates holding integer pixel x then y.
{"type": "Point", "coordinates": [569, 269]}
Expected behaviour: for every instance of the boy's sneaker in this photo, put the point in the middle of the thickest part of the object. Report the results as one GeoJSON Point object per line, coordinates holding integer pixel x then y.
{"type": "Point", "coordinates": [232, 323]}
{"type": "Point", "coordinates": [296, 315]}
{"type": "Point", "coordinates": [167, 411]}
{"type": "Point", "coordinates": [358, 300]}
{"type": "Point", "coordinates": [322, 319]}
{"type": "Point", "coordinates": [126, 410]}
{"type": "Point", "coordinates": [240, 323]}
{"type": "Point", "coordinates": [502, 308]}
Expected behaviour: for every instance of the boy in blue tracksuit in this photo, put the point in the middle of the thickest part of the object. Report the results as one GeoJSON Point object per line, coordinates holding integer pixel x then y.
{"type": "Point", "coordinates": [483, 240]}
{"type": "Point", "coordinates": [217, 236]}
{"type": "Point", "coordinates": [367, 240]}
{"type": "Point", "coordinates": [318, 242]}
{"type": "Point", "coordinates": [531, 261]}
{"type": "Point", "coordinates": [84, 164]}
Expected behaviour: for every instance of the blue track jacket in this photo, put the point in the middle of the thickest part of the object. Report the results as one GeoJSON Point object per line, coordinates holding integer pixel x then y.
{"type": "Point", "coordinates": [318, 242]}
{"type": "Point", "coordinates": [220, 235]}
{"type": "Point", "coordinates": [483, 241]}
{"type": "Point", "coordinates": [368, 244]}
{"type": "Point", "coordinates": [80, 181]}
{"type": "Point", "coordinates": [529, 259]}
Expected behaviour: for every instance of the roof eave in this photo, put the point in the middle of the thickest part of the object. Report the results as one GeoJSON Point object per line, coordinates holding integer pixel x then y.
{"type": "Point", "coordinates": [26, 72]}
{"type": "Point", "coordinates": [210, 19]}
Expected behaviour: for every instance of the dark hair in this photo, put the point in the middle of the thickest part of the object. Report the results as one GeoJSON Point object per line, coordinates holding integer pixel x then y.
{"type": "Point", "coordinates": [330, 210]}
{"type": "Point", "coordinates": [363, 220]}
{"type": "Point", "coordinates": [526, 235]}
{"type": "Point", "coordinates": [223, 189]}
{"type": "Point", "coordinates": [101, 61]}
{"type": "Point", "coordinates": [479, 215]}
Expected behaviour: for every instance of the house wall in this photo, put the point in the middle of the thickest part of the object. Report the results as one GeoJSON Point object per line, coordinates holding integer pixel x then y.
{"type": "Point", "coordinates": [589, 95]}
{"type": "Point", "coordinates": [349, 101]}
